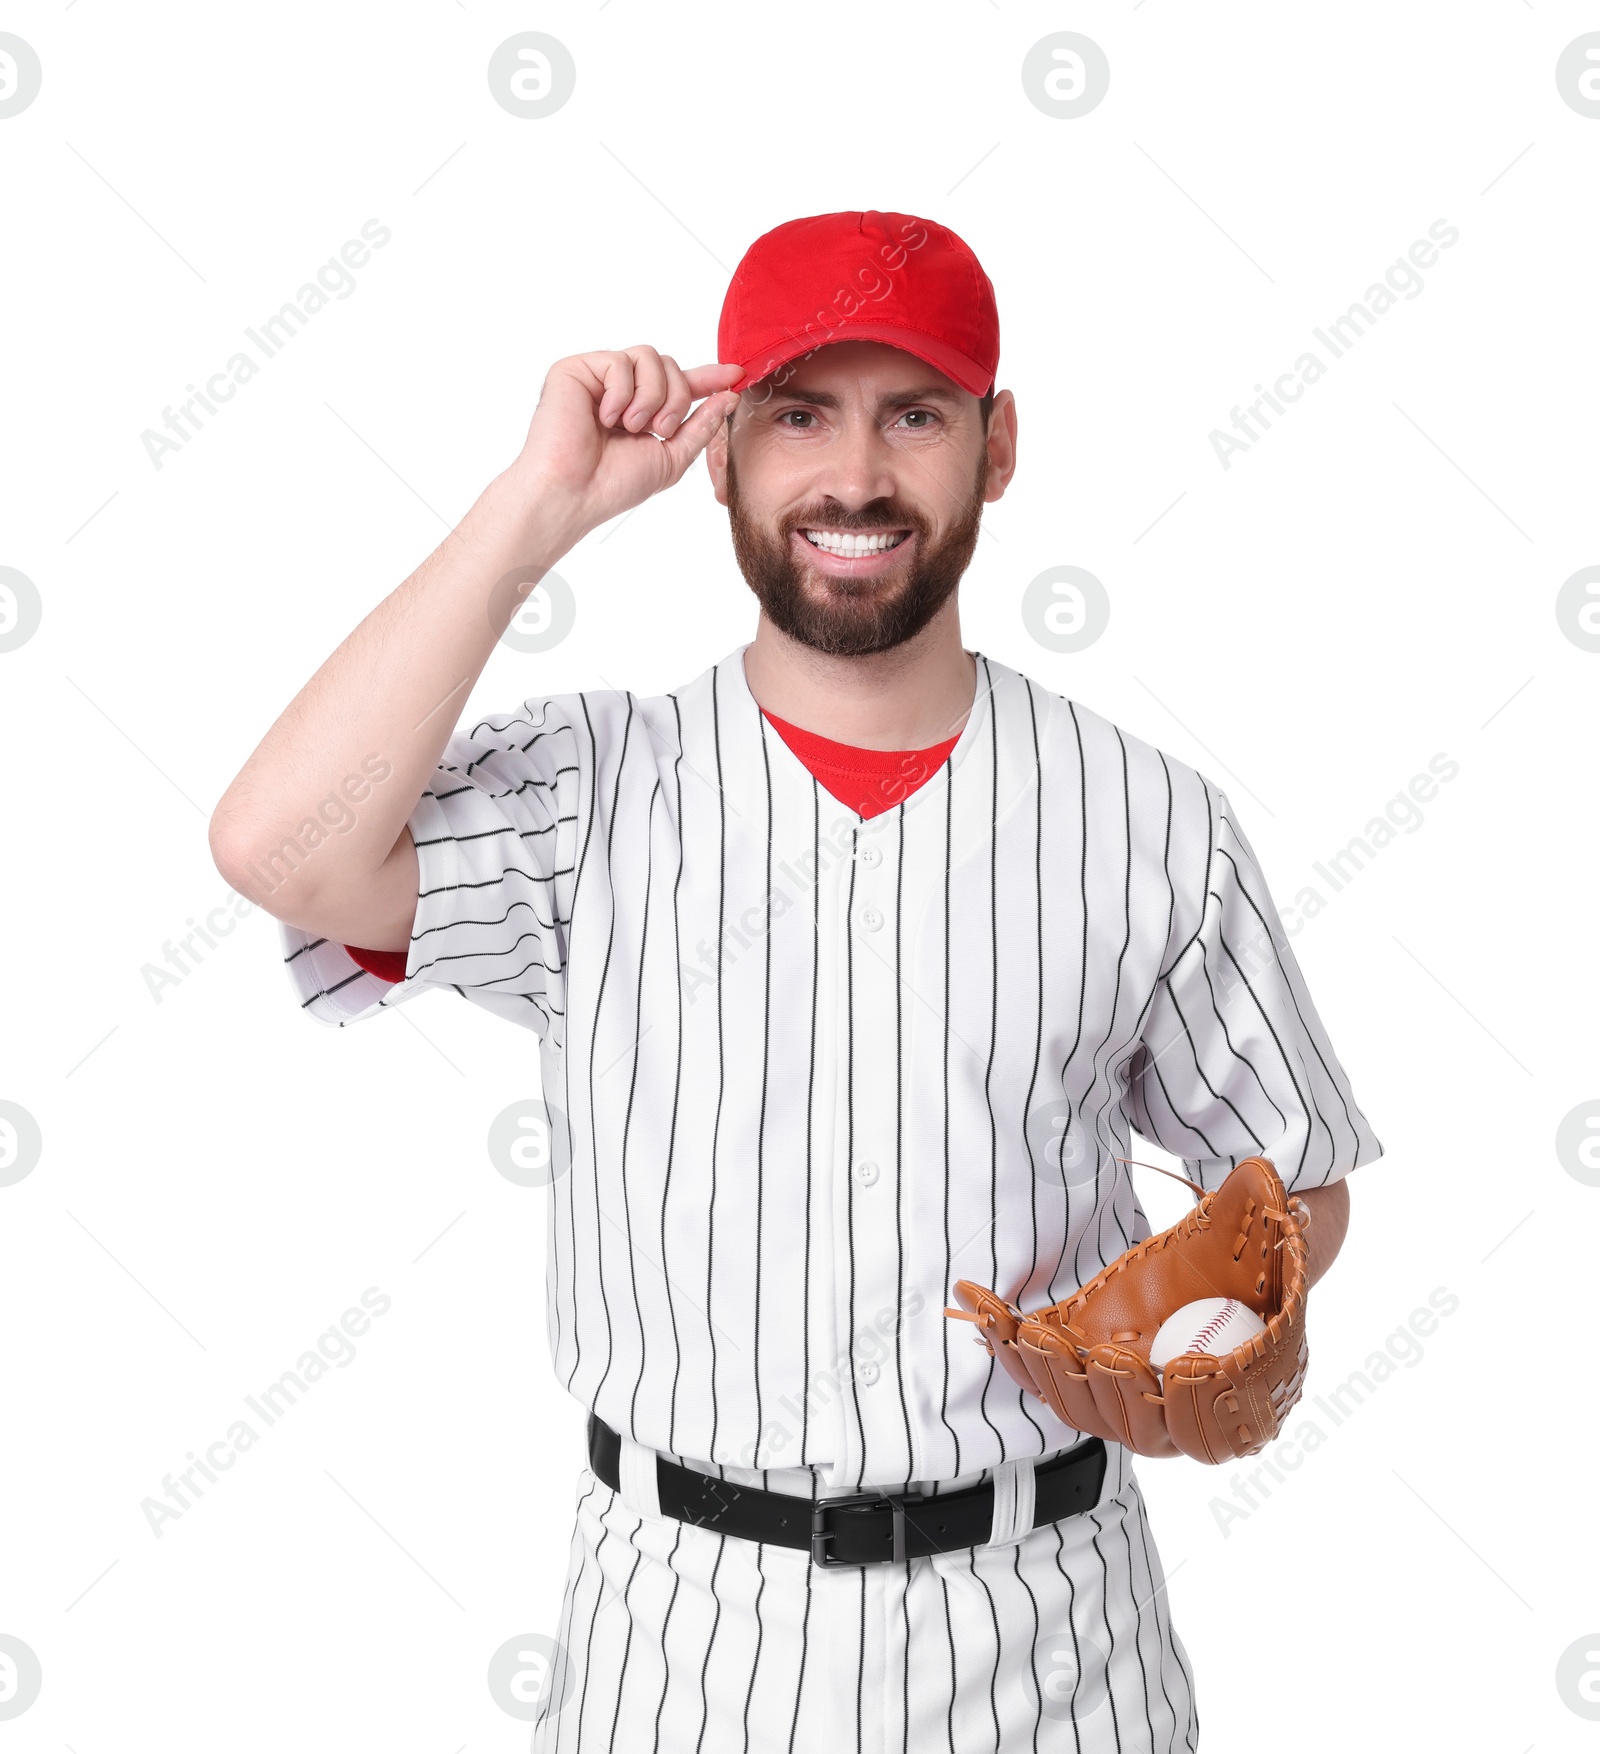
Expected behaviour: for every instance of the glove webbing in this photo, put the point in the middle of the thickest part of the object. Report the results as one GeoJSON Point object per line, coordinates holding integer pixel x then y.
{"type": "Point", "coordinates": [1302, 1217]}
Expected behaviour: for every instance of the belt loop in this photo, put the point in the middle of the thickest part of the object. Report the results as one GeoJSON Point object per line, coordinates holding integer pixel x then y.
{"type": "Point", "coordinates": [637, 1483]}
{"type": "Point", "coordinates": [1014, 1490]}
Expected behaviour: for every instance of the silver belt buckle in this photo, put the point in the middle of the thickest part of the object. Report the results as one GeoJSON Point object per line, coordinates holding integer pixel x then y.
{"type": "Point", "coordinates": [894, 1502]}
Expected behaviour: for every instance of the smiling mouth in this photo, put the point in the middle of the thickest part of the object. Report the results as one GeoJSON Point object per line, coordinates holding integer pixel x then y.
{"type": "Point", "coordinates": [849, 544]}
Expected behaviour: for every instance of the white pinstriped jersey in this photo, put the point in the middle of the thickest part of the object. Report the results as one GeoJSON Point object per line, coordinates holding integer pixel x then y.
{"type": "Point", "coordinates": [810, 1070]}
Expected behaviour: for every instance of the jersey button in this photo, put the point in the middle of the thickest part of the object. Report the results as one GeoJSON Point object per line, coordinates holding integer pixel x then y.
{"type": "Point", "coordinates": [867, 1372]}
{"type": "Point", "coordinates": [871, 919]}
{"type": "Point", "coordinates": [866, 1173]}
{"type": "Point", "coordinates": [870, 856]}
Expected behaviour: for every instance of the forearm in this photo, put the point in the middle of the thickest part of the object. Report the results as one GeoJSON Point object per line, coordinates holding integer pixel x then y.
{"type": "Point", "coordinates": [1330, 1220]}
{"type": "Point", "coordinates": [314, 826]}
{"type": "Point", "coordinates": [356, 747]}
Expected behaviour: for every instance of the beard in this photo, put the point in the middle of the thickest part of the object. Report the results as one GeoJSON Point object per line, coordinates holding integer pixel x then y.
{"type": "Point", "coordinates": [853, 617]}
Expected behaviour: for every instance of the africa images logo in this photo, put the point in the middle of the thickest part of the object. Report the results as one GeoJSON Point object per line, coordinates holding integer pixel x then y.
{"type": "Point", "coordinates": [335, 279]}
{"type": "Point", "coordinates": [20, 75]}
{"type": "Point", "coordinates": [1401, 280]}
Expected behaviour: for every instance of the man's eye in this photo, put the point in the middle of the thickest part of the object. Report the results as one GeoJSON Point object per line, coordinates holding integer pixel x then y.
{"type": "Point", "coordinates": [918, 419]}
{"type": "Point", "coordinates": [799, 417]}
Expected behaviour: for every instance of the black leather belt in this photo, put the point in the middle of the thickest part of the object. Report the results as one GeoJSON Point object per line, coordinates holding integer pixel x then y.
{"type": "Point", "coordinates": [862, 1528]}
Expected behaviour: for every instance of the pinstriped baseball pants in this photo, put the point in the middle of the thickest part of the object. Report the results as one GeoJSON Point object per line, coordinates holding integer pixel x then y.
{"type": "Point", "coordinates": [683, 1641]}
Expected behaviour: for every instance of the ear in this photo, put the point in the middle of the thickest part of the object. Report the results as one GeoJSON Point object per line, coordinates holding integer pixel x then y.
{"type": "Point", "coordinates": [717, 463]}
{"type": "Point", "coordinates": [1002, 445]}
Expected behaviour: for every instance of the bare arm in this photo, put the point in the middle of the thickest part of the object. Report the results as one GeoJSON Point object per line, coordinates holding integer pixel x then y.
{"type": "Point", "coordinates": [313, 828]}
{"type": "Point", "coordinates": [1330, 1219]}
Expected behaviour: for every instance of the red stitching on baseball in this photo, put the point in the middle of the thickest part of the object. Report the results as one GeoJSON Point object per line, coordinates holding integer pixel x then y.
{"type": "Point", "coordinates": [1218, 1323]}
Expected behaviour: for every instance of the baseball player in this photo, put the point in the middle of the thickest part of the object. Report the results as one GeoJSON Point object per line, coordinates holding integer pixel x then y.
{"type": "Point", "coordinates": [853, 964]}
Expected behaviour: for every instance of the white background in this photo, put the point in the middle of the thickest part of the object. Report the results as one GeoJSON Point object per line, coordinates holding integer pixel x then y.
{"type": "Point", "coordinates": [1371, 584]}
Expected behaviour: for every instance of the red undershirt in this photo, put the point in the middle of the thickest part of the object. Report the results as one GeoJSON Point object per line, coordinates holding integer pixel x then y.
{"type": "Point", "coordinates": [868, 781]}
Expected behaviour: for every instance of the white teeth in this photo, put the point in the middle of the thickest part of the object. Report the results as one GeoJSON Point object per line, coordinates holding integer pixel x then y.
{"type": "Point", "coordinates": [850, 543]}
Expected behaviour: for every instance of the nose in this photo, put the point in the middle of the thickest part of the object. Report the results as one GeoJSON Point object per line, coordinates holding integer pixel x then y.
{"type": "Point", "coordinates": [857, 468]}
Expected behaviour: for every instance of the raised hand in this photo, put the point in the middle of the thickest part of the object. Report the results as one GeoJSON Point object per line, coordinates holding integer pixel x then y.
{"type": "Point", "coordinates": [613, 428]}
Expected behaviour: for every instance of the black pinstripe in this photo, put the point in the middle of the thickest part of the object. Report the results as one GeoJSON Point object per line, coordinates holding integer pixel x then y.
{"type": "Point", "coordinates": [712, 1448]}
{"type": "Point", "coordinates": [677, 1076]}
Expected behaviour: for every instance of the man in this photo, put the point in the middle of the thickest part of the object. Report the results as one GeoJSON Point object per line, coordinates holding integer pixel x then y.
{"type": "Point", "coordinates": [853, 963]}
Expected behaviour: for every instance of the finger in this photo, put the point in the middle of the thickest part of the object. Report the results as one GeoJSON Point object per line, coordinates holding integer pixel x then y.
{"type": "Point", "coordinates": [704, 379]}
{"type": "Point", "coordinates": [616, 374]}
{"type": "Point", "coordinates": [1129, 1399]}
{"type": "Point", "coordinates": [1050, 1358]}
{"type": "Point", "coordinates": [649, 389]}
{"type": "Point", "coordinates": [1197, 1397]}
{"type": "Point", "coordinates": [696, 432]}
{"type": "Point", "coordinates": [679, 398]}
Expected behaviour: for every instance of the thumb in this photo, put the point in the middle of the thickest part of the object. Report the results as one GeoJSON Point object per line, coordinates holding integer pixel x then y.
{"type": "Point", "coordinates": [698, 430]}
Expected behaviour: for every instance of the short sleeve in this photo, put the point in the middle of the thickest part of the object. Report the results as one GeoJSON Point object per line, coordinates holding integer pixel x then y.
{"type": "Point", "coordinates": [496, 836]}
{"type": "Point", "coordinates": [1233, 1060]}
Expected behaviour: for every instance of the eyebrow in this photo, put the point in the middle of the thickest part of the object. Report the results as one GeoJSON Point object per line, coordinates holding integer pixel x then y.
{"type": "Point", "coordinates": [899, 399]}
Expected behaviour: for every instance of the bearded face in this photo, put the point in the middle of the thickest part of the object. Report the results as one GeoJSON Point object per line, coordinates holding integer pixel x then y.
{"type": "Point", "coordinates": [853, 582]}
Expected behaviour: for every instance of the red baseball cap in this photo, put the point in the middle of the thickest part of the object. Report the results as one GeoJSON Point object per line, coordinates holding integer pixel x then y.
{"type": "Point", "coordinates": [861, 277]}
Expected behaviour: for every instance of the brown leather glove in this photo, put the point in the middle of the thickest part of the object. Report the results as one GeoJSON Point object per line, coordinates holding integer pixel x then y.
{"type": "Point", "coordinates": [1087, 1357]}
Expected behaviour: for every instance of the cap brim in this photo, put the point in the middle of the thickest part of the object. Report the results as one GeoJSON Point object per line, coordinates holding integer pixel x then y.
{"type": "Point", "coordinates": [956, 366]}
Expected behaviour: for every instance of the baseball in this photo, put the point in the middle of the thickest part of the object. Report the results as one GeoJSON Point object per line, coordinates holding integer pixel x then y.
{"type": "Point", "coordinates": [1213, 1325]}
